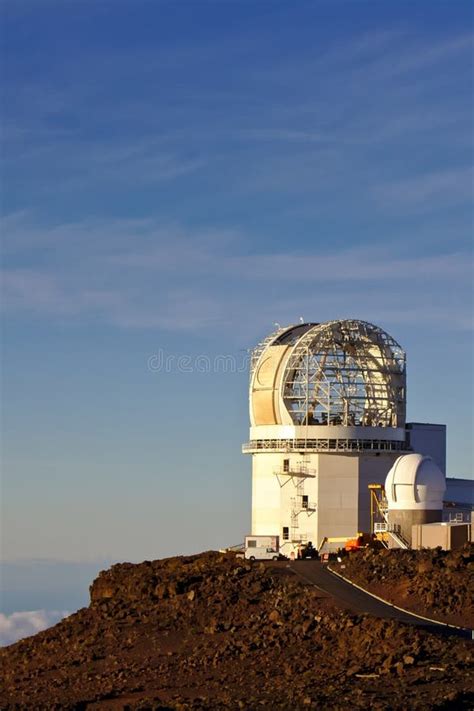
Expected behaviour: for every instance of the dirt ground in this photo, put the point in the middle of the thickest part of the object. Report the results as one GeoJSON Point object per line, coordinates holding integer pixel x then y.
{"type": "Point", "coordinates": [215, 632]}
{"type": "Point", "coordinates": [435, 583]}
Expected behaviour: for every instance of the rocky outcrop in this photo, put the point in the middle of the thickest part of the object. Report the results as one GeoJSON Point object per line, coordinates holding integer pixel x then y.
{"type": "Point", "coordinates": [214, 632]}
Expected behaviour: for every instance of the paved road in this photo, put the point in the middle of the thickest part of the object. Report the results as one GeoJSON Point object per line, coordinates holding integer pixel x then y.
{"type": "Point", "coordinates": [315, 573]}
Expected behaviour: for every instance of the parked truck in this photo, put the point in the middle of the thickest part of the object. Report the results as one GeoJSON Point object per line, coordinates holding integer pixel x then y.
{"type": "Point", "coordinates": [262, 548]}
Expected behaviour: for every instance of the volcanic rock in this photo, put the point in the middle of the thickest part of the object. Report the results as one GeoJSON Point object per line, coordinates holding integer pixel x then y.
{"type": "Point", "coordinates": [435, 583]}
{"type": "Point", "coordinates": [213, 632]}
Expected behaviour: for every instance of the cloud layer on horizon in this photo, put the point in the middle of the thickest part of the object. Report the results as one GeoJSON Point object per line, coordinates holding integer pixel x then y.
{"type": "Point", "coordinates": [18, 625]}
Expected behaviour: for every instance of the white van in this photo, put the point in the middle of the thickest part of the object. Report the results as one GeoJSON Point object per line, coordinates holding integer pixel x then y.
{"type": "Point", "coordinates": [262, 547]}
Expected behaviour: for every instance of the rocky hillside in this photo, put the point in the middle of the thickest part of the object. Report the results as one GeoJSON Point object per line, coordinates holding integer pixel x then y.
{"type": "Point", "coordinates": [213, 632]}
{"type": "Point", "coordinates": [435, 583]}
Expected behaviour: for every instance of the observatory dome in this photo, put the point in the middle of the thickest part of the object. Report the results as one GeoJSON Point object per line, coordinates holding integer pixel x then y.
{"type": "Point", "coordinates": [346, 374]}
{"type": "Point", "coordinates": [415, 482]}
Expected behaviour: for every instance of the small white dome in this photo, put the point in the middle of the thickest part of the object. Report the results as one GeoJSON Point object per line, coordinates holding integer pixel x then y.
{"type": "Point", "coordinates": [415, 482]}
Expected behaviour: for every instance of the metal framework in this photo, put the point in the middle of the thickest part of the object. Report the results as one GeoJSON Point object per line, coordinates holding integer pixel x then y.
{"type": "Point", "coordinates": [346, 373]}
{"type": "Point", "coordinates": [378, 505]}
{"type": "Point", "coordinates": [324, 445]}
{"type": "Point", "coordinates": [297, 474]}
{"type": "Point", "coordinates": [379, 523]}
{"type": "Point", "coordinates": [297, 507]}
{"type": "Point", "coordinates": [260, 347]}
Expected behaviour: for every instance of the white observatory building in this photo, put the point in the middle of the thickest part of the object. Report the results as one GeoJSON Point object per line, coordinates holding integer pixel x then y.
{"type": "Point", "coordinates": [415, 488]}
{"type": "Point", "coordinates": [327, 417]}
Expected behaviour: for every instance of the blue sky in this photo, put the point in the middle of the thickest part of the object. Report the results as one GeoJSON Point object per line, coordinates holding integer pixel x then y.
{"type": "Point", "coordinates": [177, 176]}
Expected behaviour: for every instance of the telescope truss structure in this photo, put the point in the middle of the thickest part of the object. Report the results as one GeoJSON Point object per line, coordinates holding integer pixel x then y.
{"type": "Point", "coordinates": [348, 373]}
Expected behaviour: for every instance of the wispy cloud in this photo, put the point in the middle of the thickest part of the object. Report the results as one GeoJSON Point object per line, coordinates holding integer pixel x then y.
{"type": "Point", "coordinates": [30, 289]}
{"type": "Point", "coordinates": [369, 130]}
{"type": "Point", "coordinates": [331, 114]}
{"type": "Point", "coordinates": [417, 58]}
{"type": "Point", "coordinates": [144, 274]}
{"type": "Point", "coordinates": [75, 162]}
{"type": "Point", "coordinates": [282, 134]}
{"type": "Point", "coordinates": [18, 625]}
{"type": "Point", "coordinates": [428, 191]}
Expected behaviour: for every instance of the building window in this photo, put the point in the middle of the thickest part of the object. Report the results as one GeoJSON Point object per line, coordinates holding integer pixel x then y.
{"type": "Point", "coordinates": [304, 501]}
{"type": "Point", "coordinates": [286, 465]}
{"type": "Point", "coordinates": [251, 544]}
{"type": "Point", "coordinates": [286, 533]}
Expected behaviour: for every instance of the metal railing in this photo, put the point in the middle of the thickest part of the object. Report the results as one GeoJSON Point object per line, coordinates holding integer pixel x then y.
{"type": "Point", "coordinates": [384, 527]}
{"type": "Point", "coordinates": [323, 445]}
{"type": "Point", "coordinates": [296, 470]}
{"type": "Point", "coordinates": [394, 530]}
